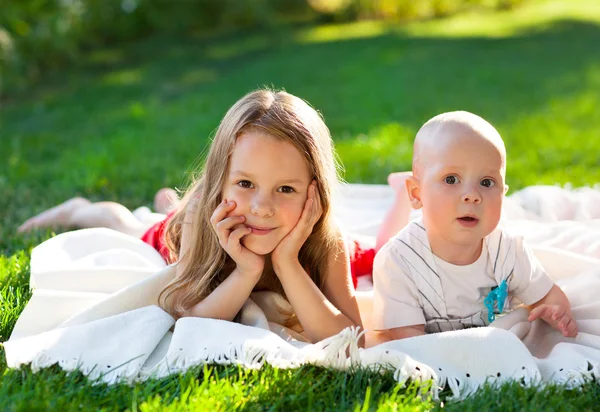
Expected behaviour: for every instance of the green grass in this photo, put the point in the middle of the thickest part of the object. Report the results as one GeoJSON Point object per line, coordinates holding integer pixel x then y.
{"type": "Point", "coordinates": [132, 118]}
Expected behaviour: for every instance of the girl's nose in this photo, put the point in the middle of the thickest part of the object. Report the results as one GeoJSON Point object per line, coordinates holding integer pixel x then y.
{"type": "Point", "coordinates": [262, 206]}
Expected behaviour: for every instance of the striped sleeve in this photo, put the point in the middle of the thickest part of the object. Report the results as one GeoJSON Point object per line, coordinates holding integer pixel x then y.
{"type": "Point", "coordinates": [395, 294]}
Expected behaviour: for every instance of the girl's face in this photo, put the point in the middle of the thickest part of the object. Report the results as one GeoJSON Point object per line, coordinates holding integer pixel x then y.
{"type": "Point", "coordinates": [268, 180]}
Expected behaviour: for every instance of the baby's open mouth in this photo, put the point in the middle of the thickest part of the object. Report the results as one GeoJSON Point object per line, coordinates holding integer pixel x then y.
{"type": "Point", "coordinates": [468, 221]}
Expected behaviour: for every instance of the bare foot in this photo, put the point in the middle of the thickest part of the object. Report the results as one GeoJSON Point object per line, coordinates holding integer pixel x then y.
{"type": "Point", "coordinates": [55, 217]}
{"type": "Point", "coordinates": [165, 200]}
{"type": "Point", "coordinates": [398, 215]}
{"type": "Point", "coordinates": [397, 181]}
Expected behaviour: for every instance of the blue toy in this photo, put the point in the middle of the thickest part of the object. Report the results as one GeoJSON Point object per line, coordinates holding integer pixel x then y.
{"type": "Point", "coordinates": [497, 296]}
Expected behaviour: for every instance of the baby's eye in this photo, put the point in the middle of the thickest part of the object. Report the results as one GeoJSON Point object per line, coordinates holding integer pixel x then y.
{"type": "Point", "coordinates": [286, 189]}
{"type": "Point", "coordinates": [246, 184]}
{"type": "Point", "coordinates": [487, 183]}
{"type": "Point", "coordinates": [452, 180]}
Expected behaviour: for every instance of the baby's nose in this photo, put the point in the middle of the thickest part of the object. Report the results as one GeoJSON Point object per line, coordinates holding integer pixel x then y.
{"type": "Point", "coordinates": [472, 196]}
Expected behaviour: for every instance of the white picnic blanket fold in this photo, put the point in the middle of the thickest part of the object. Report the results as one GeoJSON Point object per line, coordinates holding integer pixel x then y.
{"type": "Point", "coordinates": [72, 272]}
{"type": "Point", "coordinates": [111, 348]}
{"type": "Point", "coordinates": [569, 361]}
{"type": "Point", "coordinates": [461, 360]}
{"type": "Point", "coordinates": [95, 308]}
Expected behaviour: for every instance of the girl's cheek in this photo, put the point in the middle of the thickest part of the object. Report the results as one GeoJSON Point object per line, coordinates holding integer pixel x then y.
{"type": "Point", "coordinates": [232, 213]}
{"type": "Point", "coordinates": [298, 208]}
{"type": "Point", "coordinates": [235, 211]}
{"type": "Point", "coordinates": [240, 203]}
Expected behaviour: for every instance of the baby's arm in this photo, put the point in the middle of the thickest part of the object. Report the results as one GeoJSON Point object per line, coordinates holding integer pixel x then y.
{"type": "Point", "coordinates": [403, 332]}
{"type": "Point", "coordinates": [535, 289]}
{"type": "Point", "coordinates": [397, 313]}
{"type": "Point", "coordinates": [555, 309]}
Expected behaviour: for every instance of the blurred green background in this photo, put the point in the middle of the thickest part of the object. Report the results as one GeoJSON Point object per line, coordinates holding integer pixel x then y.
{"type": "Point", "coordinates": [36, 35]}
{"type": "Point", "coordinates": [114, 99]}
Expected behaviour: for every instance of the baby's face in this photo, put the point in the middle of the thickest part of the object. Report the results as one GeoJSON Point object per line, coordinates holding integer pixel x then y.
{"type": "Point", "coordinates": [462, 188]}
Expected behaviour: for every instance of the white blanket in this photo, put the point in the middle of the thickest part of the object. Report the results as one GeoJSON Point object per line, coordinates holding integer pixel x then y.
{"type": "Point", "coordinates": [94, 307]}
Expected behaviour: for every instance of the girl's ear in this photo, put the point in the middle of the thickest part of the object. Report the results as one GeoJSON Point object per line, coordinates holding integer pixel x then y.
{"type": "Point", "coordinates": [414, 192]}
{"type": "Point", "coordinates": [505, 189]}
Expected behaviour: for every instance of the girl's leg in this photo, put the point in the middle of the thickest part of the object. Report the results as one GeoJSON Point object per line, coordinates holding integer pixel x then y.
{"type": "Point", "coordinates": [399, 214]}
{"type": "Point", "coordinates": [55, 216]}
{"type": "Point", "coordinates": [110, 215]}
{"type": "Point", "coordinates": [80, 213]}
{"type": "Point", "coordinates": [166, 200]}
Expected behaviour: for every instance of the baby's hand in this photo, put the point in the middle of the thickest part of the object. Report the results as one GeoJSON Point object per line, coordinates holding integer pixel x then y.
{"type": "Point", "coordinates": [556, 316]}
{"type": "Point", "coordinates": [230, 231]}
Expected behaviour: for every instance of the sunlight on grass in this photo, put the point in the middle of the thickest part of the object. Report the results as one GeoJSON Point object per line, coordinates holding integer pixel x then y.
{"type": "Point", "coordinates": [216, 388]}
{"type": "Point", "coordinates": [534, 15]}
{"type": "Point", "coordinates": [339, 32]}
{"type": "Point", "coordinates": [137, 110]}
{"type": "Point", "coordinates": [571, 140]}
{"type": "Point", "coordinates": [533, 72]}
{"type": "Point", "coordinates": [385, 149]}
{"type": "Point", "coordinates": [14, 290]}
{"type": "Point", "coordinates": [328, 6]}
{"type": "Point", "coordinates": [123, 77]}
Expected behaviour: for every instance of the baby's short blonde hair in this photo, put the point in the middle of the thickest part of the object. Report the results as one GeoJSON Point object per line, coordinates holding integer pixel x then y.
{"type": "Point", "coordinates": [455, 125]}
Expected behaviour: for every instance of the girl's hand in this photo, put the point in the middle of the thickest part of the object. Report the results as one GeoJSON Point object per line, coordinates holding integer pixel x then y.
{"type": "Point", "coordinates": [230, 231]}
{"type": "Point", "coordinates": [556, 316]}
{"type": "Point", "coordinates": [287, 250]}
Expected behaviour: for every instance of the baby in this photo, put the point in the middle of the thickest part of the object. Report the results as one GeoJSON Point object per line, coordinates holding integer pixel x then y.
{"type": "Point", "coordinates": [454, 268]}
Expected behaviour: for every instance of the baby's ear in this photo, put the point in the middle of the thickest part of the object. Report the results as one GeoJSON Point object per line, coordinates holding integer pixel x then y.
{"type": "Point", "coordinates": [414, 192]}
{"type": "Point", "coordinates": [505, 189]}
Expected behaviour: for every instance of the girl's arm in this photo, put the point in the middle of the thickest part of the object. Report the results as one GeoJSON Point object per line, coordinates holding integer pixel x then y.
{"type": "Point", "coordinates": [228, 298]}
{"type": "Point", "coordinates": [322, 313]}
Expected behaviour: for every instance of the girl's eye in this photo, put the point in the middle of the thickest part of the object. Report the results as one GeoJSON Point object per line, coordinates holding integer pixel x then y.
{"type": "Point", "coordinates": [246, 184]}
{"type": "Point", "coordinates": [451, 180]}
{"type": "Point", "coordinates": [286, 189]}
{"type": "Point", "coordinates": [487, 183]}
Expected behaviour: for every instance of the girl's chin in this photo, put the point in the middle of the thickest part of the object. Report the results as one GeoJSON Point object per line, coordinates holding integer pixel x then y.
{"type": "Point", "coordinates": [259, 249]}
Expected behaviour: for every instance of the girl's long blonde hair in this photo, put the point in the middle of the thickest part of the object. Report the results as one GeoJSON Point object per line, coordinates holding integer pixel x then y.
{"type": "Point", "coordinates": [205, 264]}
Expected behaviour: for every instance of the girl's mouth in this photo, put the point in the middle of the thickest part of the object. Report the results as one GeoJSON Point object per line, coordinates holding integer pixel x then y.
{"type": "Point", "coordinates": [260, 230]}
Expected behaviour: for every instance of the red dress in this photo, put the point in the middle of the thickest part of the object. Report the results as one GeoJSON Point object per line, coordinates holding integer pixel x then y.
{"type": "Point", "coordinates": [361, 258]}
{"type": "Point", "coordinates": [155, 237]}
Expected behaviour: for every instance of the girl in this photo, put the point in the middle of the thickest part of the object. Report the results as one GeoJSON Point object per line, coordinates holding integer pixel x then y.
{"type": "Point", "coordinates": [257, 218]}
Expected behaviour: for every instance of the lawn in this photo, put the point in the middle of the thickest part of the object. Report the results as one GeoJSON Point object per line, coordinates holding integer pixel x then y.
{"type": "Point", "coordinates": [132, 118]}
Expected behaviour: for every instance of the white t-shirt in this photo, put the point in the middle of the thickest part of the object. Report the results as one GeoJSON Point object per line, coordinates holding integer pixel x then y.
{"type": "Point", "coordinates": [398, 301]}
